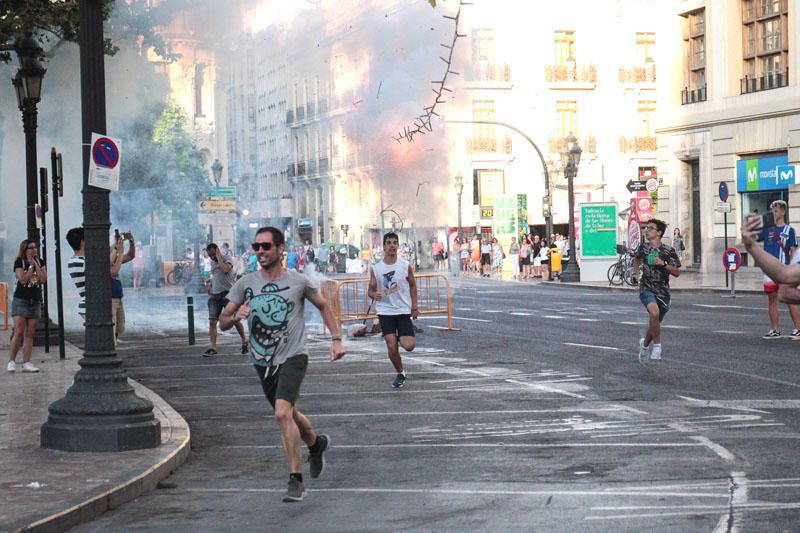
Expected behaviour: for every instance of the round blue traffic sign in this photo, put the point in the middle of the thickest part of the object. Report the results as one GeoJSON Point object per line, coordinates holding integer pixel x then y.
{"type": "Point", "coordinates": [723, 191]}
{"type": "Point", "coordinates": [731, 259]}
{"type": "Point", "coordinates": [105, 153]}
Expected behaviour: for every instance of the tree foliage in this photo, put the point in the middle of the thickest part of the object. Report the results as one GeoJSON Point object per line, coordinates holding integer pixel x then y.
{"type": "Point", "coordinates": [52, 22]}
{"type": "Point", "coordinates": [162, 173]}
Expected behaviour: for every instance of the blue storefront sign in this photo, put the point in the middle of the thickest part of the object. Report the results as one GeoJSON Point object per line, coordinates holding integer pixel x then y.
{"type": "Point", "coordinates": [765, 174]}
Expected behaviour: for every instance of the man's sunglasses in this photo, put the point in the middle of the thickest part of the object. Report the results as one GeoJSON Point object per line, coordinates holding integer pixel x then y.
{"type": "Point", "coordinates": [266, 246]}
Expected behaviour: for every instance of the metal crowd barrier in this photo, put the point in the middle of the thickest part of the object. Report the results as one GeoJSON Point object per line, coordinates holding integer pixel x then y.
{"type": "Point", "coordinates": [4, 303]}
{"type": "Point", "coordinates": [349, 301]}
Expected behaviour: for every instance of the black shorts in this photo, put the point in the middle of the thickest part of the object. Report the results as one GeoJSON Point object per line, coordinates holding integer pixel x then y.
{"type": "Point", "coordinates": [399, 325]}
{"type": "Point", "coordinates": [216, 303]}
{"type": "Point", "coordinates": [486, 259]}
{"type": "Point", "coordinates": [283, 382]}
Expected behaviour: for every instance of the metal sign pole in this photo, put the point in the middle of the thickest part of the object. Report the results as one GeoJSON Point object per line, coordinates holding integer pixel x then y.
{"type": "Point", "coordinates": [725, 221]}
{"type": "Point", "coordinates": [58, 190]}
{"type": "Point", "coordinates": [733, 284]}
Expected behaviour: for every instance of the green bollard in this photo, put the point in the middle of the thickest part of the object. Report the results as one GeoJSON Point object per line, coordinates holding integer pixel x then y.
{"type": "Point", "coordinates": [190, 313]}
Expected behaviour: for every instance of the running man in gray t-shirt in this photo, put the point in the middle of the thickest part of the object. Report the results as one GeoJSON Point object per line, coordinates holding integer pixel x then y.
{"type": "Point", "coordinates": [219, 283]}
{"type": "Point", "coordinates": [272, 301]}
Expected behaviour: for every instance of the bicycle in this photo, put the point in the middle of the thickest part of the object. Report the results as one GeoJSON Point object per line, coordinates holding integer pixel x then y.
{"type": "Point", "coordinates": [621, 271]}
{"type": "Point", "coordinates": [181, 274]}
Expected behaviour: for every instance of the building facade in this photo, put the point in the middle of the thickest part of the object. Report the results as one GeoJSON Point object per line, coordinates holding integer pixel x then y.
{"type": "Point", "coordinates": [731, 115]}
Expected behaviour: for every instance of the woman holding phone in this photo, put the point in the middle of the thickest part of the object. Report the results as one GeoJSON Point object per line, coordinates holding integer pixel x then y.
{"type": "Point", "coordinates": [26, 306]}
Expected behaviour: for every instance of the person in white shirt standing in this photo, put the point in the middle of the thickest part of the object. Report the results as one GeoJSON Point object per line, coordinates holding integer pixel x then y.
{"type": "Point", "coordinates": [393, 288]}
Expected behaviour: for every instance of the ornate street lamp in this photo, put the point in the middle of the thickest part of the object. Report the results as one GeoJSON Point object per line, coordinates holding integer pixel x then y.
{"type": "Point", "coordinates": [459, 186]}
{"type": "Point", "coordinates": [28, 86]}
{"type": "Point", "coordinates": [570, 159]}
{"type": "Point", "coordinates": [216, 171]}
{"type": "Point", "coordinates": [100, 411]}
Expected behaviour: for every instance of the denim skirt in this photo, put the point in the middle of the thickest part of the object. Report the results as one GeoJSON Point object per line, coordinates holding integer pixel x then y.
{"type": "Point", "coordinates": [26, 308]}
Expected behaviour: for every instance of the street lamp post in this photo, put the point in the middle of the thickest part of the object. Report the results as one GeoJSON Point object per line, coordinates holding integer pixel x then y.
{"type": "Point", "coordinates": [459, 187]}
{"type": "Point", "coordinates": [548, 219]}
{"type": "Point", "coordinates": [571, 158]}
{"type": "Point", "coordinates": [100, 411]}
{"type": "Point", "coordinates": [28, 85]}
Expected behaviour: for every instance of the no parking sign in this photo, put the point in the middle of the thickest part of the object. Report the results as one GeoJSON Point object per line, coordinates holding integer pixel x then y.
{"type": "Point", "coordinates": [105, 162]}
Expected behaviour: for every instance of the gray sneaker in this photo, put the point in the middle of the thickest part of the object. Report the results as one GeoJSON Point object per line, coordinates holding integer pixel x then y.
{"type": "Point", "coordinates": [316, 461]}
{"type": "Point", "coordinates": [295, 491]}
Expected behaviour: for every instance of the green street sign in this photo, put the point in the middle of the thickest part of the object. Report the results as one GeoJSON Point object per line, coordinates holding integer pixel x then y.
{"type": "Point", "coordinates": [222, 192]}
{"type": "Point", "coordinates": [599, 230]}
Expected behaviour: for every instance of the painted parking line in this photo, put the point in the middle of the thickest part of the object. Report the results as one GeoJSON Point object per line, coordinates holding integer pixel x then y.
{"type": "Point", "coordinates": [434, 445]}
{"type": "Point", "coordinates": [428, 317]}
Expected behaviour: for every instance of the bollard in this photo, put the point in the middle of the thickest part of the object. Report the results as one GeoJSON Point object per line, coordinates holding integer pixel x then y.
{"type": "Point", "coordinates": [190, 317]}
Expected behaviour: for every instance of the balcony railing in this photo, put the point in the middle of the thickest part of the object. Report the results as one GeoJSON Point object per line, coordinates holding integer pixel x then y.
{"type": "Point", "coordinates": [502, 145]}
{"type": "Point", "coordinates": [637, 144]}
{"type": "Point", "coordinates": [769, 81]}
{"type": "Point", "coordinates": [289, 117]}
{"type": "Point", "coordinates": [588, 144]}
{"type": "Point", "coordinates": [553, 74]}
{"type": "Point", "coordinates": [323, 165]}
{"type": "Point", "coordinates": [490, 72]}
{"type": "Point", "coordinates": [691, 96]}
{"type": "Point", "coordinates": [645, 74]}
{"type": "Point", "coordinates": [300, 113]}
{"type": "Point", "coordinates": [290, 171]}
{"type": "Point", "coordinates": [312, 166]}
{"type": "Point", "coordinates": [311, 110]}
{"type": "Point", "coordinates": [301, 168]}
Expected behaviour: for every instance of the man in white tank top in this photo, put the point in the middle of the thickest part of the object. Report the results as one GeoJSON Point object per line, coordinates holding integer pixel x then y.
{"type": "Point", "coordinates": [394, 290]}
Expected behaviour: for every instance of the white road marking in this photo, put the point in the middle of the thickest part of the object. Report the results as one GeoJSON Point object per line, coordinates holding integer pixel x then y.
{"type": "Point", "coordinates": [519, 313]}
{"type": "Point", "coordinates": [591, 346]}
{"type": "Point", "coordinates": [673, 326]}
{"type": "Point", "coordinates": [745, 405]}
{"type": "Point", "coordinates": [632, 323]}
{"type": "Point", "coordinates": [728, 332]}
{"type": "Point", "coordinates": [715, 306]}
{"type": "Point", "coordinates": [483, 445]}
{"type": "Point", "coordinates": [557, 317]}
{"type": "Point", "coordinates": [716, 448]}
{"type": "Point", "coordinates": [545, 388]}
{"type": "Point", "coordinates": [589, 319]}
{"type": "Point", "coordinates": [467, 492]}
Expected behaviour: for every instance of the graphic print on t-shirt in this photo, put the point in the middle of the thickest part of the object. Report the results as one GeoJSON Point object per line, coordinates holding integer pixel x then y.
{"type": "Point", "coordinates": [269, 317]}
{"type": "Point", "coordinates": [389, 284]}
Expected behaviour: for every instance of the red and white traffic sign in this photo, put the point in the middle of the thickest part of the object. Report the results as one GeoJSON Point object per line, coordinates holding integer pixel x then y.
{"type": "Point", "coordinates": [731, 259]}
{"type": "Point", "coordinates": [104, 166]}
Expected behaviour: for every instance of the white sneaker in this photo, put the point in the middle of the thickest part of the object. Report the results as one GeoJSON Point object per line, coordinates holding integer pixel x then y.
{"type": "Point", "coordinates": [12, 366]}
{"type": "Point", "coordinates": [28, 367]}
{"type": "Point", "coordinates": [656, 353]}
{"type": "Point", "coordinates": [644, 351]}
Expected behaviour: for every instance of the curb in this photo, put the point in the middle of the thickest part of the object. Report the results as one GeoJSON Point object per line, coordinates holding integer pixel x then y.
{"type": "Point", "coordinates": [178, 436]}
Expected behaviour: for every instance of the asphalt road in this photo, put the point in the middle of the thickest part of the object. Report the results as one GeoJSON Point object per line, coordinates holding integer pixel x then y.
{"type": "Point", "coordinates": [536, 416]}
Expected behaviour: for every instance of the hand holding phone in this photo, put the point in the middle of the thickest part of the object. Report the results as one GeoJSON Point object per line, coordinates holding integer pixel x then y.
{"type": "Point", "coordinates": [766, 220]}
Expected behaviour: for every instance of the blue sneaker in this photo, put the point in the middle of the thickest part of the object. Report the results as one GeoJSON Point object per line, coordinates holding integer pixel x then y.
{"type": "Point", "coordinates": [399, 381]}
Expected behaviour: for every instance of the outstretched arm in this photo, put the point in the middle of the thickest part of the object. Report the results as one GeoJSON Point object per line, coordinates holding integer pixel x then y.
{"type": "Point", "coordinates": [770, 265]}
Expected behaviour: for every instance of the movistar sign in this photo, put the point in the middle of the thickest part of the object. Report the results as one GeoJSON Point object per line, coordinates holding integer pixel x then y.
{"type": "Point", "coordinates": [764, 174]}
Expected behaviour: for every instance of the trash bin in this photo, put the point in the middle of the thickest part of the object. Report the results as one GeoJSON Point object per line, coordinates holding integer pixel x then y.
{"type": "Point", "coordinates": [555, 263]}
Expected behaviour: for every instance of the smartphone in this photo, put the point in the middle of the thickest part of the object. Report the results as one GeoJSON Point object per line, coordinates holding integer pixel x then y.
{"type": "Point", "coordinates": [116, 234]}
{"type": "Point", "coordinates": [766, 220]}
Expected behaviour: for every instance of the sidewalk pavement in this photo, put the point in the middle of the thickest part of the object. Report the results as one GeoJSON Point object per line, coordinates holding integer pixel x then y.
{"type": "Point", "coordinates": [48, 490]}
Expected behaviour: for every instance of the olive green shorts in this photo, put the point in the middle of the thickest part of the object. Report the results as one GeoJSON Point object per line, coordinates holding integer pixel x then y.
{"type": "Point", "coordinates": [283, 381]}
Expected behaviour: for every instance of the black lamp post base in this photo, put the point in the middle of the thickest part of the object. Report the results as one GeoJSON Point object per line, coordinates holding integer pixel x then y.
{"type": "Point", "coordinates": [571, 274]}
{"type": "Point", "coordinates": [100, 413]}
{"type": "Point", "coordinates": [100, 433]}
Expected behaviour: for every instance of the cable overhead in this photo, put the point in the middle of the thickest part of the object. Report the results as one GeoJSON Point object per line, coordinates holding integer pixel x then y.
{"type": "Point", "coordinates": [422, 123]}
